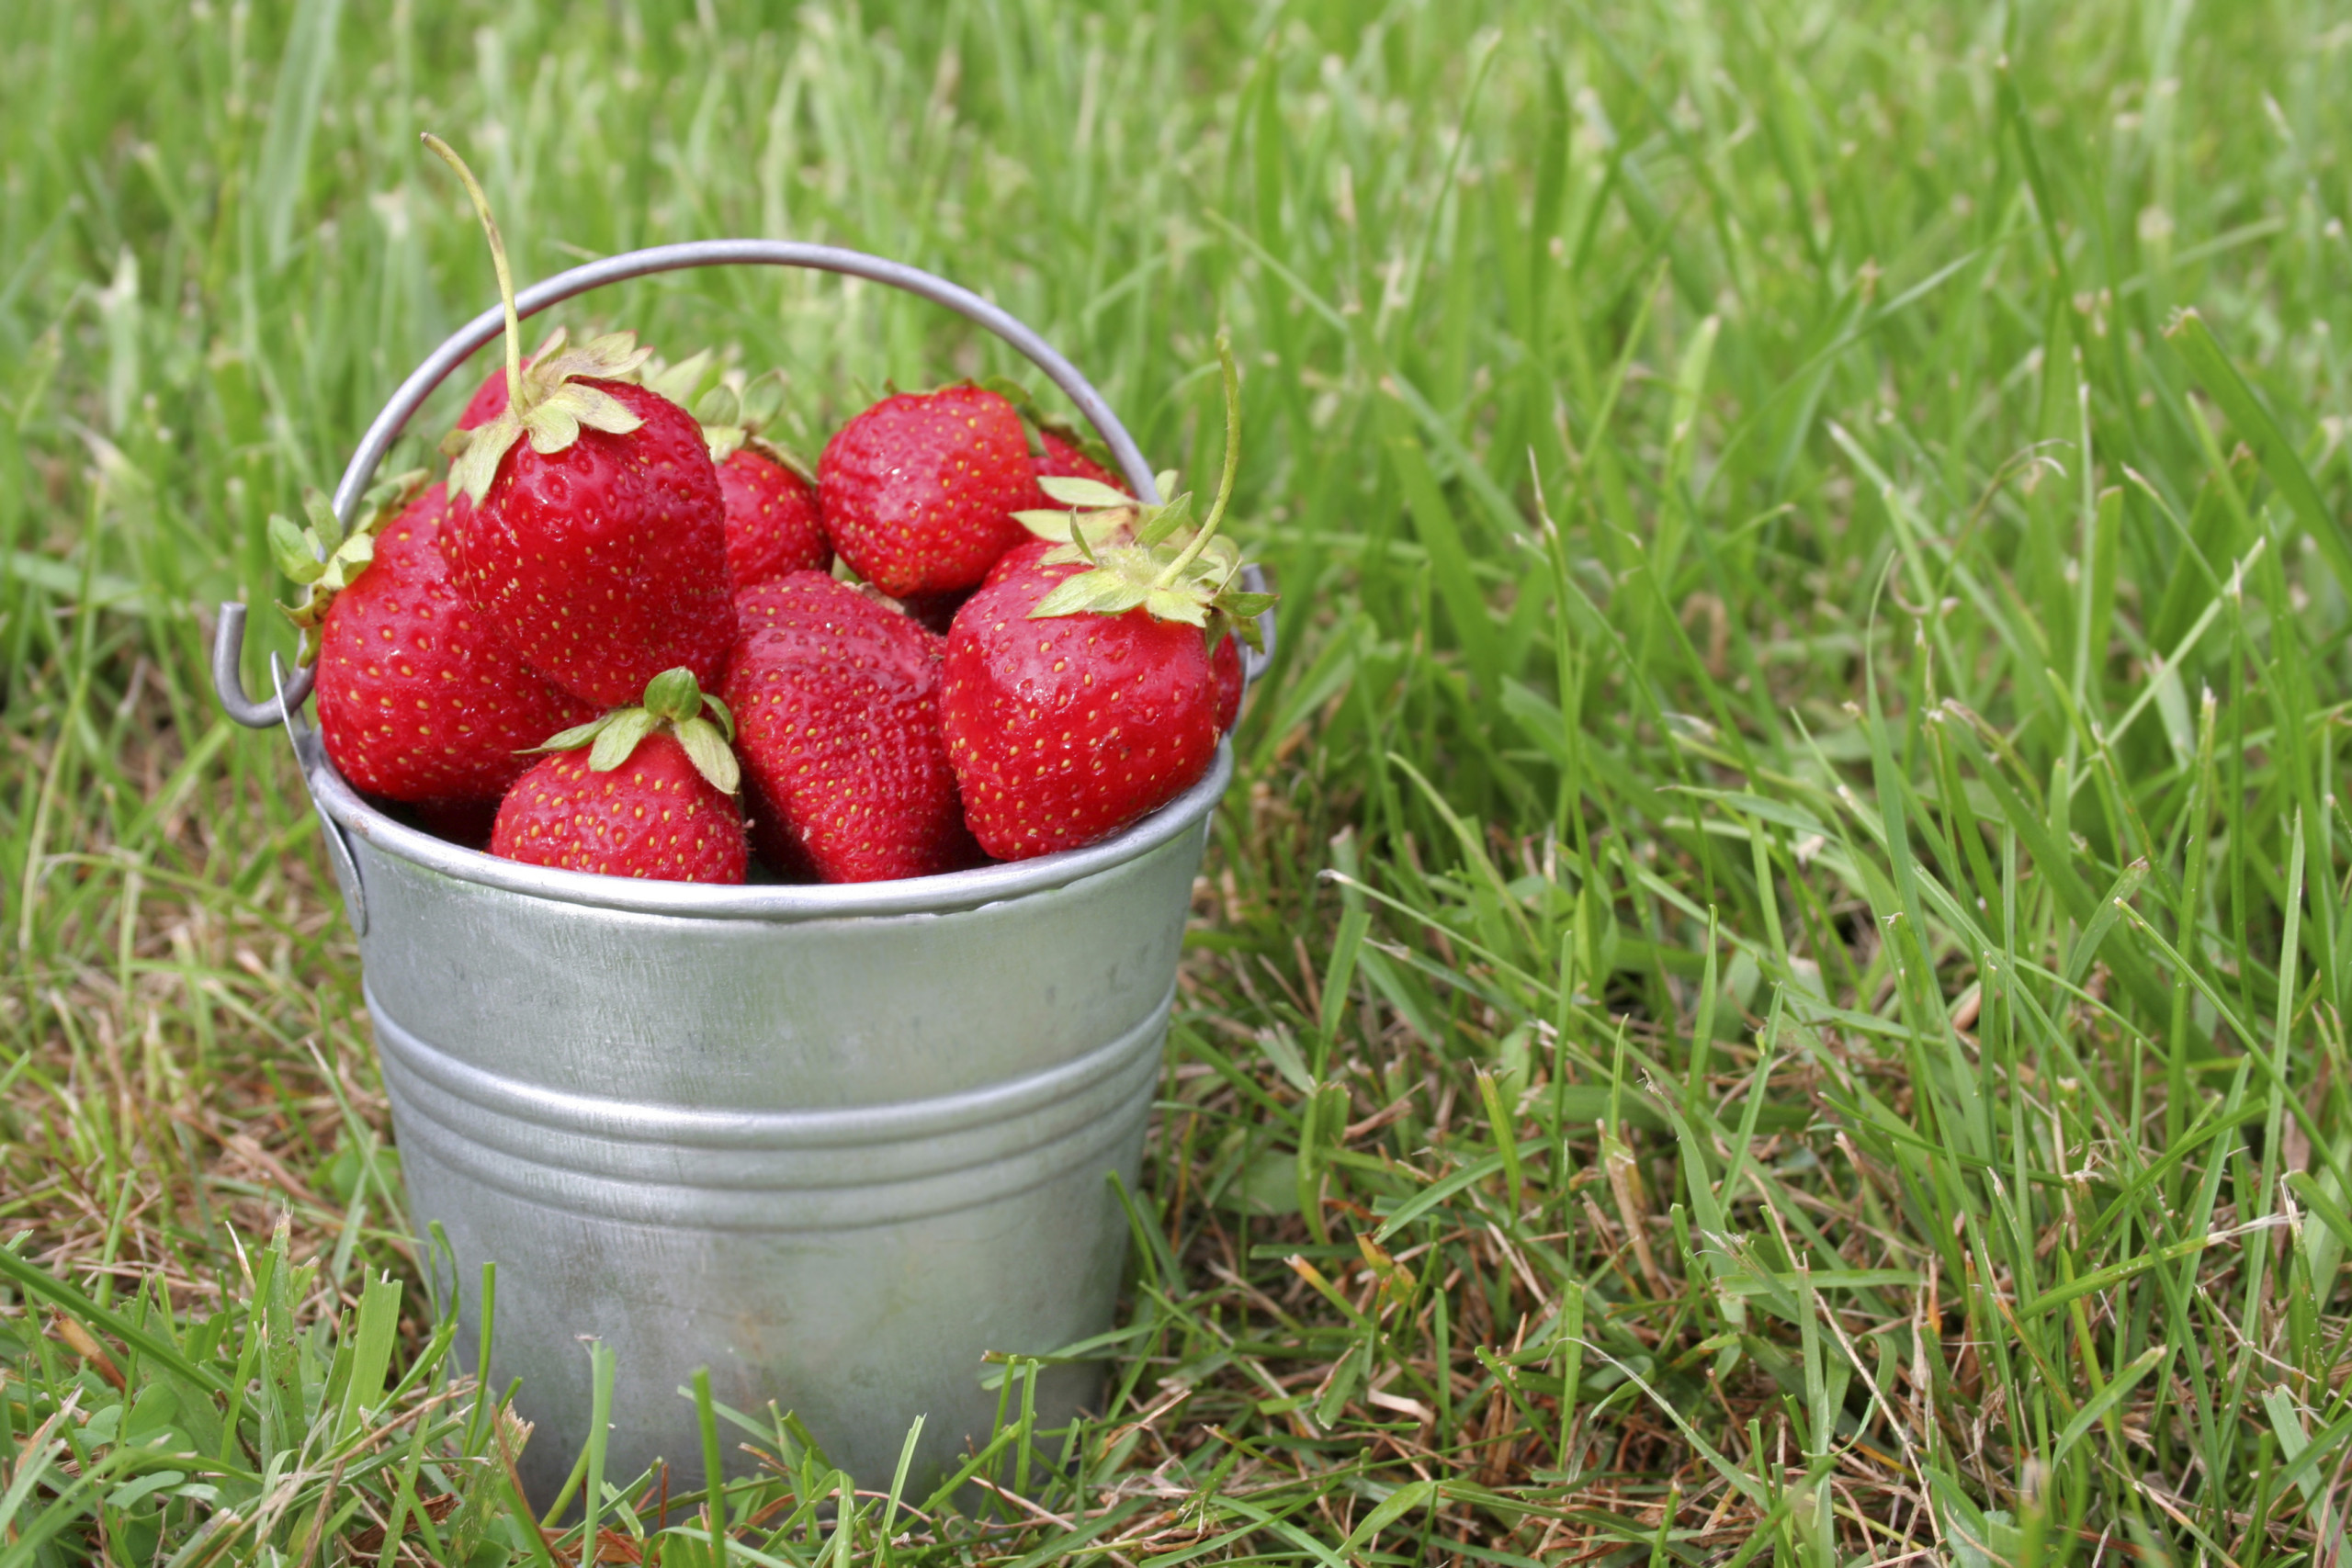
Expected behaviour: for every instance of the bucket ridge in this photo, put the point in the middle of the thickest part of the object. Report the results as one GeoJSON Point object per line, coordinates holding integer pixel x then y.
{"type": "Point", "coordinates": [780, 1211]}
{"type": "Point", "coordinates": [818, 1169]}
{"type": "Point", "coordinates": [567, 1112]}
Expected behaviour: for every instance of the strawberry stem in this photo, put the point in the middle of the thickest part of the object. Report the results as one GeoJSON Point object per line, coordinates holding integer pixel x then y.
{"type": "Point", "coordinates": [1175, 568]}
{"type": "Point", "coordinates": [448, 156]}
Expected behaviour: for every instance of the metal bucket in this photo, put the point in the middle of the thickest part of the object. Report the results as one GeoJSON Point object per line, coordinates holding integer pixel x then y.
{"type": "Point", "coordinates": [833, 1143]}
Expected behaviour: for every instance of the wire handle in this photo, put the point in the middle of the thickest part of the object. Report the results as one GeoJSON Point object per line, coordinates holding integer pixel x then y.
{"type": "Point", "coordinates": [228, 640]}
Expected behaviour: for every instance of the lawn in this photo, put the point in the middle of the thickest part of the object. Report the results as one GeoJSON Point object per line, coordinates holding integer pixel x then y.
{"type": "Point", "coordinates": [1772, 985]}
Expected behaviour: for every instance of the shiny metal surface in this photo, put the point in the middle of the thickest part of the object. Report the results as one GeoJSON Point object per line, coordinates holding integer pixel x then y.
{"type": "Point", "coordinates": [836, 1158]}
{"type": "Point", "coordinates": [229, 681]}
{"type": "Point", "coordinates": [834, 1143]}
{"type": "Point", "coordinates": [310, 756]}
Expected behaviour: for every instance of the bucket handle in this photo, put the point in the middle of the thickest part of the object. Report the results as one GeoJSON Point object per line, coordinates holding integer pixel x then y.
{"type": "Point", "coordinates": [228, 642]}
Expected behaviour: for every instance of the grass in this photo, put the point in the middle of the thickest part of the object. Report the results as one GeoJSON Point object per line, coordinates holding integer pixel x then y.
{"type": "Point", "coordinates": [1772, 984]}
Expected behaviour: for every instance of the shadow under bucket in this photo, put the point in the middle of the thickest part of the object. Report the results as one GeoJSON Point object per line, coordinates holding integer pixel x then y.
{"type": "Point", "coordinates": [834, 1143]}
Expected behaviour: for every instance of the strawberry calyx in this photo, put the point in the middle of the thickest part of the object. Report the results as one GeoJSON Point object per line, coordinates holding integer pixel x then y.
{"type": "Point", "coordinates": [1152, 556]}
{"type": "Point", "coordinates": [732, 418]}
{"type": "Point", "coordinates": [325, 559]}
{"type": "Point", "coordinates": [677, 382]}
{"type": "Point", "coordinates": [733, 412]}
{"type": "Point", "coordinates": [455, 441]}
{"type": "Point", "coordinates": [674, 704]}
{"type": "Point", "coordinates": [546, 400]}
{"type": "Point", "coordinates": [555, 403]}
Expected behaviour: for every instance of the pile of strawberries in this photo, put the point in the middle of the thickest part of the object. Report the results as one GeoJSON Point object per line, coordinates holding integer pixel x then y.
{"type": "Point", "coordinates": [616, 639]}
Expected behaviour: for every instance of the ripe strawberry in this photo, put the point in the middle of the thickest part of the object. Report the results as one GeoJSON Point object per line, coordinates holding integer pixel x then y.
{"type": "Point", "coordinates": [488, 402]}
{"type": "Point", "coordinates": [653, 796]}
{"type": "Point", "coordinates": [1063, 731]}
{"type": "Point", "coordinates": [1081, 692]}
{"type": "Point", "coordinates": [1064, 457]}
{"type": "Point", "coordinates": [1020, 558]}
{"type": "Point", "coordinates": [599, 545]}
{"type": "Point", "coordinates": [604, 559]}
{"type": "Point", "coordinates": [772, 522]}
{"type": "Point", "coordinates": [419, 698]}
{"type": "Point", "coordinates": [489, 399]}
{"type": "Point", "coordinates": [837, 697]}
{"type": "Point", "coordinates": [918, 490]}
{"type": "Point", "coordinates": [773, 526]}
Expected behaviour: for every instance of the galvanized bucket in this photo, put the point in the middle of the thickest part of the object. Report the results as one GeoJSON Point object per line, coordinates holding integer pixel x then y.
{"type": "Point", "coordinates": [833, 1142]}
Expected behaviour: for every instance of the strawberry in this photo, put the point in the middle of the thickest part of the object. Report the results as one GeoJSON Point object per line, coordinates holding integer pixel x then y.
{"type": "Point", "coordinates": [1019, 559]}
{"type": "Point", "coordinates": [488, 402]}
{"type": "Point", "coordinates": [1083, 693]}
{"type": "Point", "coordinates": [837, 700]}
{"type": "Point", "coordinates": [918, 490]}
{"type": "Point", "coordinates": [489, 399]}
{"type": "Point", "coordinates": [773, 526]}
{"type": "Point", "coordinates": [419, 698]}
{"type": "Point", "coordinates": [605, 558]}
{"type": "Point", "coordinates": [773, 523]}
{"type": "Point", "coordinates": [1065, 456]}
{"type": "Point", "coordinates": [653, 796]}
{"type": "Point", "coordinates": [1062, 732]}
{"type": "Point", "coordinates": [599, 545]}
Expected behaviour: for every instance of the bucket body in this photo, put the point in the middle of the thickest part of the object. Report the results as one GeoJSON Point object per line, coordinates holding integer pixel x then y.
{"type": "Point", "coordinates": [836, 1158]}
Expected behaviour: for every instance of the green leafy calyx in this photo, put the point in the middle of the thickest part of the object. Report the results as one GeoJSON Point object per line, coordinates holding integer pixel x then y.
{"type": "Point", "coordinates": [734, 413]}
{"type": "Point", "coordinates": [556, 404]}
{"type": "Point", "coordinates": [1152, 558]}
{"type": "Point", "coordinates": [321, 557]}
{"type": "Point", "coordinates": [674, 704]}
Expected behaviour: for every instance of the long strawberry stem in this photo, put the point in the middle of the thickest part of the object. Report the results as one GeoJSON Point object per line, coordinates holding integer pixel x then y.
{"type": "Point", "coordinates": [448, 156]}
{"type": "Point", "coordinates": [1175, 568]}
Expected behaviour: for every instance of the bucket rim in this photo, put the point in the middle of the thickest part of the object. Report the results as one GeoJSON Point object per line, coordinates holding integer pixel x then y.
{"type": "Point", "coordinates": [943, 893]}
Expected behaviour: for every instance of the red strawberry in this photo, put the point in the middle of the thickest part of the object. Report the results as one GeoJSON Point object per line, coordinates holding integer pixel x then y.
{"type": "Point", "coordinates": [1082, 696]}
{"type": "Point", "coordinates": [599, 544]}
{"type": "Point", "coordinates": [653, 798]}
{"type": "Point", "coordinates": [920, 489]}
{"type": "Point", "coordinates": [419, 698]}
{"type": "Point", "coordinates": [605, 560]}
{"type": "Point", "coordinates": [773, 526]}
{"type": "Point", "coordinates": [1019, 559]}
{"type": "Point", "coordinates": [488, 400]}
{"type": "Point", "coordinates": [837, 701]}
{"type": "Point", "coordinates": [1063, 731]}
{"type": "Point", "coordinates": [1063, 455]}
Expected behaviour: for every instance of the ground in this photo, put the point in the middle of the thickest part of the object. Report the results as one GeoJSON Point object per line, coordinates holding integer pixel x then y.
{"type": "Point", "coordinates": [1771, 983]}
